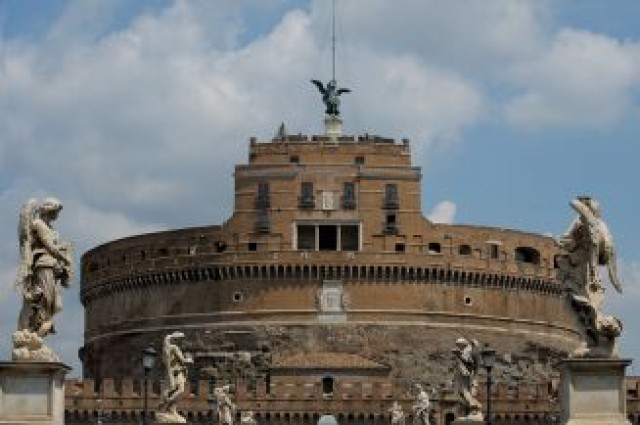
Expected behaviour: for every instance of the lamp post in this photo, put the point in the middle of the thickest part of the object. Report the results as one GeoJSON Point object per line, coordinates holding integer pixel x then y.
{"type": "Point", "coordinates": [488, 356]}
{"type": "Point", "coordinates": [148, 361]}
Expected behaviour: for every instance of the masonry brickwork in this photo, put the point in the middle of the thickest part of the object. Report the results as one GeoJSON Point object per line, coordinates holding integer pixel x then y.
{"type": "Point", "coordinates": [327, 251]}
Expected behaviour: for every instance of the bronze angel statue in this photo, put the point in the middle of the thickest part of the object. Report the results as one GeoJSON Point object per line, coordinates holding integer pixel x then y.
{"type": "Point", "coordinates": [331, 96]}
{"type": "Point", "coordinates": [46, 264]}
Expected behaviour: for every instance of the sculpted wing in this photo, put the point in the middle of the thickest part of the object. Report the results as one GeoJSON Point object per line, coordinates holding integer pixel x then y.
{"type": "Point", "coordinates": [610, 259]}
{"type": "Point", "coordinates": [319, 85]}
{"type": "Point", "coordinates": [340, 91]}
{"type": "Point", "coordinates": [25, 237]}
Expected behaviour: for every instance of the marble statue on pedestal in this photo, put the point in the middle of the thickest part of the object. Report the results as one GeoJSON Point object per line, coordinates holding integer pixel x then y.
{"type": "Point", "coordinates": [397, 414]}
{"type": "Point", "coordinates": [422, 407]}
{"type": "Point", "coordinates": [589, 245]}
{"type": "Point", "coordinates": [226, 407]}
{"type": "Point", "coordinates": [176, 367]}
{"type": "Point", "coordinates": [46, 265]}
{"type": "Point", "coordinates": [467, 358]}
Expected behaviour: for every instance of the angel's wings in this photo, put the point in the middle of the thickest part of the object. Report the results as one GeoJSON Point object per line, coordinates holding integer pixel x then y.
{"type": "Point", "coordinates": [319, 85]}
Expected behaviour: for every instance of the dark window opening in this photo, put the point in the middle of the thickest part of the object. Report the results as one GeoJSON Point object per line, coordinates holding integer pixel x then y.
{"type": "Point", "coordinates": [349, 238]}
{"type": "Point", "coordinates": [237, 297]}
{"type": "Point", "coordinates": [307, 199]}
{"type": "Point", "coordinates": [349, 196]}
{"type": "Point", "coordinates": [327, 385]}
{"type": "Point", "coordinates": [93, 267]}
{"type": "Point", "coordinates": [143, 255]}
{"type": "Point", "coordinates": [391, 224]}
{"type": "Point", "coordinates": [263, 200]}
{"type": "Point", "coordinates": [494, 251]}
{"type": "Point", "coordinates": [306, 238]}
{"type": "Point", "coordinates": [220, 246]}
{"type": "Point", "coordinates": [434, 248]}
{"type": "Point", "coordinates": [391, 196]}
{"type": "Point", "coordinates": [467, 301]}
{"type": "Point", "coordinates": [327, 238]}
{"type": "Point", "coordinates": [464, 250]}
{"type": "Point", "coordinates": [294, 159]}
{"type": "Point", "coordinates": [163, 252]}
{"type": "Point", "coordinates": [400, 247]}
{"type": "Point", "coordinates": [358, 160]}
{"type": "Point", "coordinates": [252, 246]}
{"type": "Point", "coordinates": [525, 254]}
{"type": "Point", "coordinates": [262, 222]}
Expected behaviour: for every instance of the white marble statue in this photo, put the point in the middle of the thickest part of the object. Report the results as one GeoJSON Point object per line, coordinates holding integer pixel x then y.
{"type": "Point", "coordinates": [226, 407]}
{"type": "Point", "coordinates": [397, 414]}
{"type": "Point", "coordinates": [175, 363]}
{"type": "Point", "coordinates": [467, 358]}
{"type": "Point", "coordinates": [589, 245]}
{"type": "Point", "coordinates": [421, 407]}
{"type": "Point", "coordinates": [46, 264]}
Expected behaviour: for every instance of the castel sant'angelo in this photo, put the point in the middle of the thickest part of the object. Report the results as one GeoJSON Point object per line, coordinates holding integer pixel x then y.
{"type": "Point", "coordinates": [327, 291]}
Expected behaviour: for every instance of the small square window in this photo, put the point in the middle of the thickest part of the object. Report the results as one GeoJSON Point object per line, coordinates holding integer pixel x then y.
{"type": "Point", "coordinates": [358, 160]}
{"type": "Point", "coordinates": [294, 159]}
{"type": "Point", "coordinates": [400, 247]}
{"type": "Point", "coordinates": [253, 246]}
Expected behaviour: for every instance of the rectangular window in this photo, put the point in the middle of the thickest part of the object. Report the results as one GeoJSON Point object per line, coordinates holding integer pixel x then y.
{"type": "Point", "coordinates": [391, 196]}
{"type": "Point", "coordinates": [306, 238]}
{"type": "Point", "coordinates": [349, 238]}
{"type": "Point", "coordinates": [348, 195]}
{"type": "Point", "coordinates": [494, 251]}
{"type": "Point", "coordinates": [327, 238]}
{"type": "Point", "coordinates": [262, 199]}
{"type": "Point", "coordinates": [359, 160]}
{"type": "Point", "coordinates": [307, 199]}
{"type": "Point", "coordinates": [391, 224]}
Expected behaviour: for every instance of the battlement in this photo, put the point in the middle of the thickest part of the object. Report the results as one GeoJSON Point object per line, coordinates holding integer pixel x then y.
{"type": "Point", "coordinates": [366, 150]}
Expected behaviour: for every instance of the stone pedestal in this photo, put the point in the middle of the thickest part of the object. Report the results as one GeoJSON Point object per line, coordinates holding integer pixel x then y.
{"type": "Point", "coordinates": [32, 393]}
{"type": "Point", "coordinates": [333, 126]}
{"type": "Point", "coordinates": [593, 391]}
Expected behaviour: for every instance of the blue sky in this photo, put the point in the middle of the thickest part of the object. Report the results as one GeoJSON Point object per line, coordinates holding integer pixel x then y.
{"type": "Point", "coordinates": [133, 113]}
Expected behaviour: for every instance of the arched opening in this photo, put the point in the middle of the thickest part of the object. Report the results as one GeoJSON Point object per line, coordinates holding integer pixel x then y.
{"type": "Point", "coordinates": [526, 254]}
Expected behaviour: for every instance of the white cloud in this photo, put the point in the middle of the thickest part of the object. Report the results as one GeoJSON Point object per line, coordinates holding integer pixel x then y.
{"type": "Point", "coordinates": [444, 212]}
{"type": "Point", "coordinates": [583, 80]}
{"type": "Point", "coordinates": [466, 35]}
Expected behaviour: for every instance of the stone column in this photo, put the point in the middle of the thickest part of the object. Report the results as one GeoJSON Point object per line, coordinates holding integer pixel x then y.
{"type": "Point", "coordinates": [593, 391]}
{"type": "Point", "coordinates": [32, 393]}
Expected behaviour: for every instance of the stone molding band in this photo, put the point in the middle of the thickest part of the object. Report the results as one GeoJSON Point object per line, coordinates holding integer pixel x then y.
{"type": "Point", "coordinates": [396, 274]}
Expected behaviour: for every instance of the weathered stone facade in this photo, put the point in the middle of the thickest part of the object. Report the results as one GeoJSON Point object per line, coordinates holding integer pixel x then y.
{"type": "Point", "coordinates": [327, 251]}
